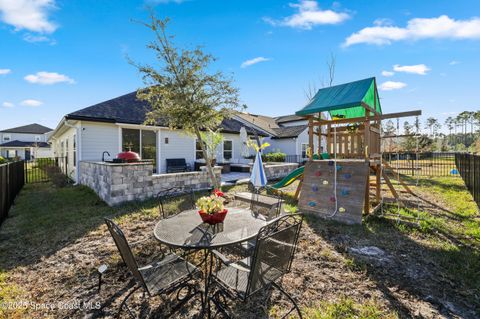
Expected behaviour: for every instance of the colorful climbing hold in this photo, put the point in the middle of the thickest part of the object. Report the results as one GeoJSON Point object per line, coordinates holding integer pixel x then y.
{"type": "Point", "coordinates": [332, 199]}
{"type": "Point", "coordinates": [325, 182]}
{"type": "Point", "coordinates": [312, 204]}
{"type": "Point", "coordinates": [314, 188]}
{"type": "Point", "coordinates": [341, 210]}
{"type": "Point", "coordinates": [318, 173]}
{"type": "Point", "coordinates": [330, 163]}
{"type": "Point", "coordinates": [339, 167]}
{"type": "Point", "coordinates": [345, 192]}
{"type": "Point", "coordinates": [347, 176]}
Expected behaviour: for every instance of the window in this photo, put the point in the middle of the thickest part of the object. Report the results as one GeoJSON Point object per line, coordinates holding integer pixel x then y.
{"type": "Point", "coordinates": [304, 150]}
{"type": "Point", "coordinates": [198, 150]}
{"type": "Point", "coordinates": [11, 153]}
{"type": "Point", "coordinates": [227, 149]}
{"type": "Point", "coordinates": [66, 151]}
{"type": "Point", "coordinates": [7, 137]}
{"type": "Point", "coordinates": [38, 138]}
{"type": "Point", "coordinates": [131, 140]}
{"type": "Point", "coordinates": [74, 150]}
{"type": "Point", "coordinates": [143, 142]}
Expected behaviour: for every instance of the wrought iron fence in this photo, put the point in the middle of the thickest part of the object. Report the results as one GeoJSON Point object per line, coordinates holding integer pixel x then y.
{"type": "Point", "coordinates": [295, 159]}
{"type": "Point", "coordinates": [39, 170]}
{"type": "Point", "coordinates": [468, 166]}
{"type": "Point", "coordinates": [11, 182]}
{"type": "Point", "coordinates": [423, 163]}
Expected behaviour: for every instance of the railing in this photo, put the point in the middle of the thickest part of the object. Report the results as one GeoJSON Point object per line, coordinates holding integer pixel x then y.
{"type": "Point", "coordinates": [295, 159]}
{"type": "Point", "coordinates": [422, 164]}
{"type": "Point", "coordinates": [11, 182]}
{"type": "Point", "coordinates": [38, 170]}
{"type": "Point", "coordinates": [468, 166]}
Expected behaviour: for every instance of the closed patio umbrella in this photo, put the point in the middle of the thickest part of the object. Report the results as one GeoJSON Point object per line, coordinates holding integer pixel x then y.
{"type": "Point", "coordinates": [258, 177]}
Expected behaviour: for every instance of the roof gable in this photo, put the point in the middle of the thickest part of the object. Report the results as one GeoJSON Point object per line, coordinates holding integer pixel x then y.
{"type": "Point", "coordinates": [28, 129]}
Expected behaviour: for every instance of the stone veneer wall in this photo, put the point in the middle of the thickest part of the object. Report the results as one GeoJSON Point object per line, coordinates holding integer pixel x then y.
{"type": "Point", "coordinates": [275, 171]}
{"type": "Point", "coordinates": [118, 183]}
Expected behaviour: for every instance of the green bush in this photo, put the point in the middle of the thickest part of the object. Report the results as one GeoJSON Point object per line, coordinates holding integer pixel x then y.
{"type": "Point", "coordinates": [274, 157]}
{"type": "Point", "coordinates": [2, 160]}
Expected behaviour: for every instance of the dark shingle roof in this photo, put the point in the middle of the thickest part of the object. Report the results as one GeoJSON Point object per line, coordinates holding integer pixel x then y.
{"type": "Point", "coordinates": [29, 129]}
{"type": "Point", "coordinates": [128, 109]}
{"type": "Point", "coordinates": [288, 118]}
{"type": "Point", "coordinates": [24, 144]}
{"type": "Point", "coordinates": [289, 131]}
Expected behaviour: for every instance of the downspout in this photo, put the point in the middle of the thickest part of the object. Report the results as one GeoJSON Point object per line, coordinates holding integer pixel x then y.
{"type": "Point", "coordinates": [78, 148]}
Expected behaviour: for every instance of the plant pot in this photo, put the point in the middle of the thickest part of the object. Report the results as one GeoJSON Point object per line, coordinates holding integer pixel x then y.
{"type": "Point", "coordinates": [214, 218]}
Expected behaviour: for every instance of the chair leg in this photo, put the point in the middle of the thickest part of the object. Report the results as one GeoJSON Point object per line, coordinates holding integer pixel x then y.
{"type": "Point", "coordinates": [218, 304]}
{"type": "Point", "coordinates": [124, 303]}
{"type": "Point", "coordinates": [295, 306]}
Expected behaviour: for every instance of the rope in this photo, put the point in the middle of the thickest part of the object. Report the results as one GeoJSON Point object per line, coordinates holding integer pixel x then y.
{"type": "Point", "coordinates": [334, 171]}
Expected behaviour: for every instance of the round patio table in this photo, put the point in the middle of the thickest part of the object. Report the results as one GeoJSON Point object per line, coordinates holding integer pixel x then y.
{"type": "Point", "coordinates": [187, 231]}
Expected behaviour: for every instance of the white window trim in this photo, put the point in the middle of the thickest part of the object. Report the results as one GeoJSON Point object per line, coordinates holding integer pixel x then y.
{"type": "Point", "coordinates": [223, 150]}
{"type": "Point", "coordinates": [7, 135]}
{"type": "Point", "coordinates": [301, 150]}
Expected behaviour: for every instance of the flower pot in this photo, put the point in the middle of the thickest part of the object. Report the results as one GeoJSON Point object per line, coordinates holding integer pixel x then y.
{"type": "Point", "coordinates": [214, 218]}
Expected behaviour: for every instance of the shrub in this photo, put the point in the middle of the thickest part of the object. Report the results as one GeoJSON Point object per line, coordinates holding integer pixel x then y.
{"type": "Point", "coordinates": [2, 160]}
{"type": "Point", "coordinates": [274, 157]}
{"type": "Point", "coordinates": [56, 176]}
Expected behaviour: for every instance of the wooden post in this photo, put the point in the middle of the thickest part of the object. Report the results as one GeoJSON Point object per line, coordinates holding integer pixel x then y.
{"type": "Point", "coordinates": [310, 137]}
{"type": "Point", "coordinates": [378, 175]}
{"type": "Point", "coordinates": [319, 136]}
{"type": "Point", "coordinates": [329, 139]}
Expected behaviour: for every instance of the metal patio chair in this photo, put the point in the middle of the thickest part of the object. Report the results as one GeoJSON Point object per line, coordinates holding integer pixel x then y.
{"type": "Point", "coordinates": [168, 194]}
{"type": "Point", "coordinates": [272, 258]}
{"type": "Point", "coordinates": [170, 274]}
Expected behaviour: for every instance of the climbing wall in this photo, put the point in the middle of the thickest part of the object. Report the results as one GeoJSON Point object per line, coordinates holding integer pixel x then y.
{"type": "Point", "coordinates": [317, 192]}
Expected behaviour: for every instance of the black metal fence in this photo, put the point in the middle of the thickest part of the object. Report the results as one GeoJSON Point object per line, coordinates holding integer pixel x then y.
{"type": "Point", "coordinates": [468, 166]}
{"type": "Point", "coordinates": [295, 159]}
{"type": "Point", "coordinates": [38, 170]}
{"type": "Point", "coordinates": [11, 182]}
{"type": "Point", "coordinates": [422, 163]}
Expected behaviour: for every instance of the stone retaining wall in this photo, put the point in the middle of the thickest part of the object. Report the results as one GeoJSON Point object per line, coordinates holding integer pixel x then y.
{"type": "Point", "coordinates": [275, 171]}
{"type": "Point", "coordinates": [118, 183]}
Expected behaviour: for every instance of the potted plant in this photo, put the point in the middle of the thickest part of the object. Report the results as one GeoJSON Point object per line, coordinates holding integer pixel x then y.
{"type": "Point", "coordinates": [211, 208]}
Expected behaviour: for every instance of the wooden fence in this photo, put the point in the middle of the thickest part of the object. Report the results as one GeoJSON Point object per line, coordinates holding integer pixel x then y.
{"type": "Point", "coordinates": [12, 179]}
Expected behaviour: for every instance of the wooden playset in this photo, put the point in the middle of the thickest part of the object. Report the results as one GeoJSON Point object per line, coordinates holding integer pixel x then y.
{"type": "Point", "coordinates": [349, 141]}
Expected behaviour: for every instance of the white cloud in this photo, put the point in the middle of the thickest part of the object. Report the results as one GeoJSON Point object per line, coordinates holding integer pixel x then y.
{"type": "Point", "coordinates": [30, 15]}
{"type": "Point", "coordinates": [391, 85]}
{"type": "Point", "coordinates": [31, 102]}
{"type": "Point", "coordinates": [48, 78]}
{"type": "Point", "coordinates": [454, 62]}
{"type": "Point", "coordinates": [442, 27]}
{"type": "Point", "coordinates": [38, 38]}
{"type": "Point", "coordinates": [309, 15]}
{"type": "Point", "coordinates": [8, 104]}
{"type": "Point", "coordinates": [420, 69]}
{"type": "Point", "coordinates": [388, 73]}
{"type": "Point", "coordinates": [5, 71]}
{"type": "Point", "coordinates": [254, 61]}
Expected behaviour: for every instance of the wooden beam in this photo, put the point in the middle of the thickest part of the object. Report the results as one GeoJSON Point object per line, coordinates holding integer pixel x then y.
{"type": "Point", "coordinates": [389, 184]}
{"type": "Point", "coordinates": [372, 118]}
{"type": "Point", "coordinates": [399, 179]}
{"type": "Point", "coordinates": [310, 137]}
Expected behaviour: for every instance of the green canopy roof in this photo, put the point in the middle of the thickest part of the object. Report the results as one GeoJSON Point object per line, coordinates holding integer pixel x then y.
{"type": "Point", "coordinates": [344, 100]}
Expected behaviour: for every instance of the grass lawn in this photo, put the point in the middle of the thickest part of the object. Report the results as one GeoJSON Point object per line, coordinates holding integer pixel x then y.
{"type": "Point", "coordinates": [55, 238]}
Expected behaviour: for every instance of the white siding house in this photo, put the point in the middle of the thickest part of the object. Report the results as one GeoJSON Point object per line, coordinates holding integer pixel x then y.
{"type": "Point", "coordinates": [117, 125]}
{"type": "Point", "coordinates": [25, 142]}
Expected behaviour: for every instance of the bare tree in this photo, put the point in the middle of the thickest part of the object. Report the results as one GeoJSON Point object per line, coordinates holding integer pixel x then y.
{"type": "Point", "coordinates": [312, 87]}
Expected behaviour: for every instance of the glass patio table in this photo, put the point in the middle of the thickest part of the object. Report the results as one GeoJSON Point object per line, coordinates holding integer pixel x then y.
{"type": "Point", "coordinates": [187, 231]}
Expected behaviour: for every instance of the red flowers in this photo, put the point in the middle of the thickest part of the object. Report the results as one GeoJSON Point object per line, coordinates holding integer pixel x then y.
{"type": "Point", "coordinates": [218, 193]}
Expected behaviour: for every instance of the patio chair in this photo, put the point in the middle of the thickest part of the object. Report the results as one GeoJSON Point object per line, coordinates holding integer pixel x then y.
{"type": "Point", "coordinates": [272, 258]}
{"type": "Point", "coordinates": [166, 276]}
{"type": "Point", "coordinates": [168, 194]}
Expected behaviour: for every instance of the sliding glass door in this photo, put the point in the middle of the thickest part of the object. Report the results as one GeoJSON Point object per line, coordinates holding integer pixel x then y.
{"type": "Point", "coordinates": [143, 142]}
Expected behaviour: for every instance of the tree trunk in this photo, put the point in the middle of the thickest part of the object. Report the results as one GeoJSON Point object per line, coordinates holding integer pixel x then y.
{"type": "Point", "coordinates": [208, 162]}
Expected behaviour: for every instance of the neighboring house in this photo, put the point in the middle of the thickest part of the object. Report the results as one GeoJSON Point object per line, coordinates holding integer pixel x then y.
{"type": "Point", "coordinates": [117, 125]}
{"type": "Point", "coordinates": [288, 134]}
{"type": "Point", "coordinates": [26, 142]}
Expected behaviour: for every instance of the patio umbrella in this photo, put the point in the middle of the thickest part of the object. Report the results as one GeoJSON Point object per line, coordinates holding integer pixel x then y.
{"type": "Point", "coordinates": [258, 177]}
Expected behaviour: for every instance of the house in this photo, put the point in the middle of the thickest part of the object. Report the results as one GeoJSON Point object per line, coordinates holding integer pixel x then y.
{"type": "Point", "coordinates": [105, 129]}
{"type": "Point", "coordinates": [287, 134]}
{"type": "Point", "coordinates": [26, 142]}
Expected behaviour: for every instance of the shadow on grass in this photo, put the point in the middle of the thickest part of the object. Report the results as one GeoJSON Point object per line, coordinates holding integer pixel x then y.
{"type": "Point", "coordinates": [446, 276]}
{"type": "Point", "coordinates": [45, 219]}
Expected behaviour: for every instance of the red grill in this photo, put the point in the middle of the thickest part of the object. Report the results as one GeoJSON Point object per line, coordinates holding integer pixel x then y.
{"type": "Point", "coordinates": [128, 157]}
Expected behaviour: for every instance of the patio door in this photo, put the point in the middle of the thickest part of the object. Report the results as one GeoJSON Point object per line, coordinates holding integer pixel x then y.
{"type": "Point", "coordinates": [143, 142]}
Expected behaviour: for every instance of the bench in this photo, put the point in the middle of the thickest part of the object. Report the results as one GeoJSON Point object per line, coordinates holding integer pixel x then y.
{"type": "Point", "coordinates": [177, 165]}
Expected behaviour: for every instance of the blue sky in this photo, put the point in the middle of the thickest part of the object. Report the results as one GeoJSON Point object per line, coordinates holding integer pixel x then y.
{"type": "Point", "coordinates": [60, 56]}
